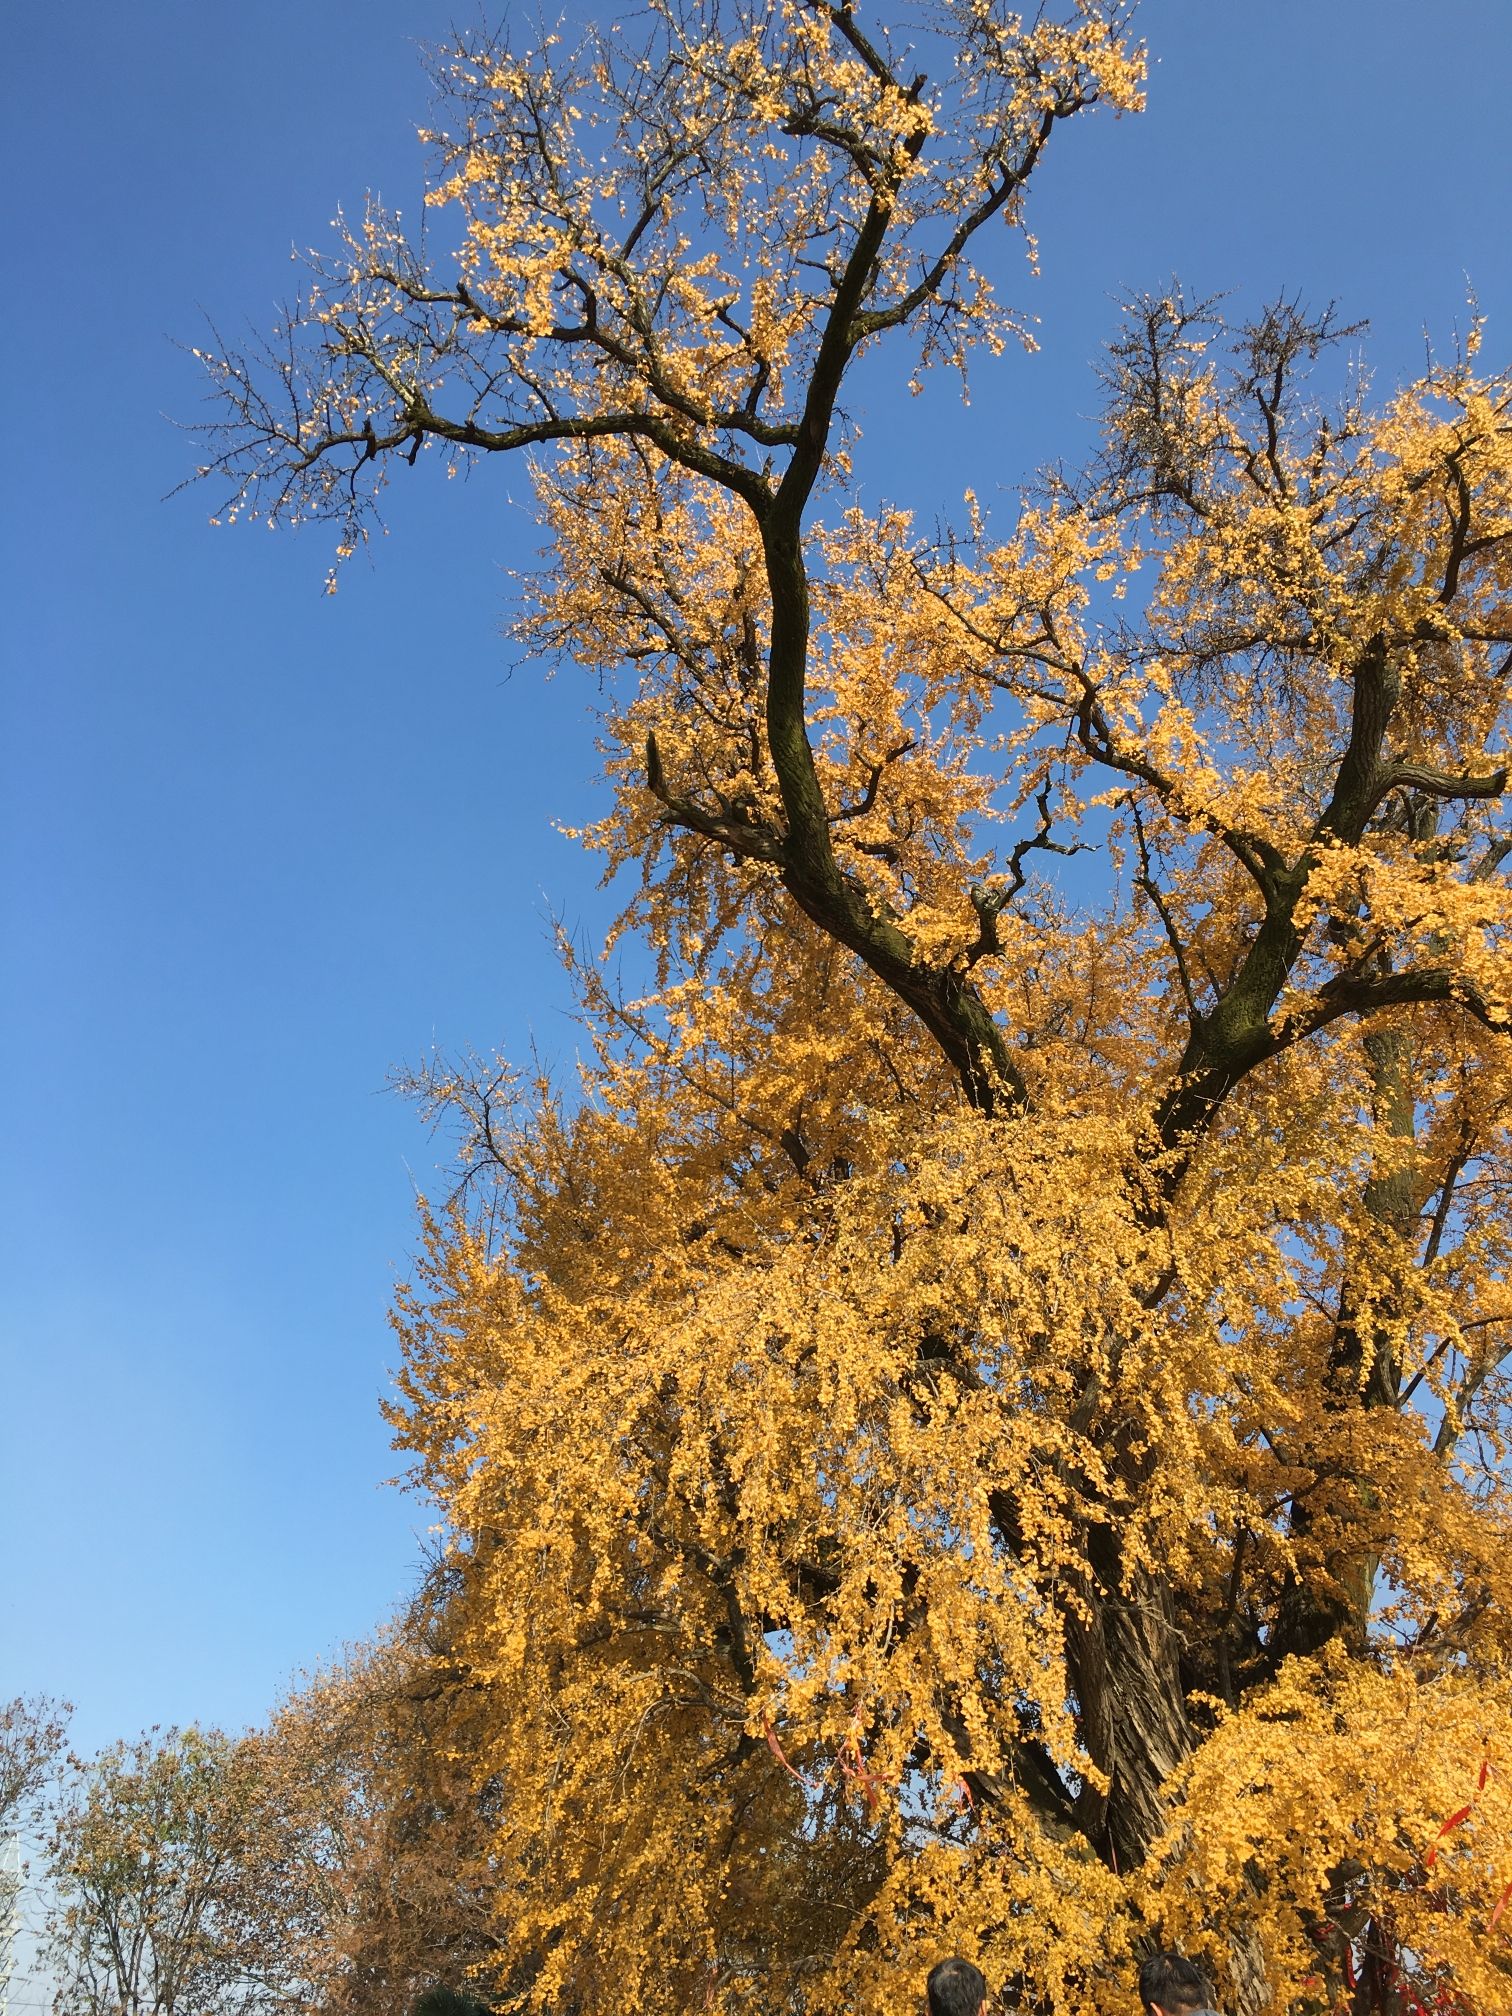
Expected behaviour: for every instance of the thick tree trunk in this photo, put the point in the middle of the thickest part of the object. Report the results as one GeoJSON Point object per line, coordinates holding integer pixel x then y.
{"type": "Point", "coordinates": [1126, 1670]}
{"type": "Point", "coordinates": [1125, 1665]}
{"type": "Point", "coordinates": [1247, 1983]}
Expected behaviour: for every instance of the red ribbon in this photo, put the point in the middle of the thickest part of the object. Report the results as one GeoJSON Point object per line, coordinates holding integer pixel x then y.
{"type": "Point", "coordinates": [1448, 1827]}
{"type": "Point", "coordinates": [781, 1755]}
{"type": "Point", "coordinates": [1457, 1820]}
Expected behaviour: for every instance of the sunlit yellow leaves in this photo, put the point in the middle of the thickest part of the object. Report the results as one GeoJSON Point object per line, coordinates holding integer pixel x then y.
{"type": "Point", "coordinates": [981, 1417]}
{"type": "Point", "coordinates": [1414, 1773]}
{"type": "Point", "coordinates": [777, 1425]}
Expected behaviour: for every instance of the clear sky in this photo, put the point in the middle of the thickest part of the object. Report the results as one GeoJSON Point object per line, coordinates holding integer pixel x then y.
{"type": "Point", "coordinates": [261, 846]}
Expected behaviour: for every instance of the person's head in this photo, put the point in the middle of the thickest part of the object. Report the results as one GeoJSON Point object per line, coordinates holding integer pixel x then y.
{"type": "Point", "coordinates": [956, 1988]}
{"type": "Point", "coordinates": [1169, 1985]}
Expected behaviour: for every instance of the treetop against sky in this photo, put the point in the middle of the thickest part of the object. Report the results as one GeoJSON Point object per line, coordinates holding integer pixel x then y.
{"type": "Point", "coordinates": [257, 862]}
{"type": "Point", "coordinates": [986, 1351]}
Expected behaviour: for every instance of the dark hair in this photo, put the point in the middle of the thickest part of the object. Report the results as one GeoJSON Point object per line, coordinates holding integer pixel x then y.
{"type": "Point", "coordinates": [1170, 1982]}
{"type": "Point", "coordinates": [956, 1988]}
{"type": "Point", "coordinates": [443, 2001]}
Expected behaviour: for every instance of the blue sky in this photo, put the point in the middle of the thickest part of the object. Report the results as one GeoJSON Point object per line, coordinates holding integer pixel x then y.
{"type": "Point", "coordinates": [259, 846]}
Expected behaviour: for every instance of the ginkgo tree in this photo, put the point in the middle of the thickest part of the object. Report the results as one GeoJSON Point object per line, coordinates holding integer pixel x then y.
{"type": "Point", "coordinates": [981, 1422]}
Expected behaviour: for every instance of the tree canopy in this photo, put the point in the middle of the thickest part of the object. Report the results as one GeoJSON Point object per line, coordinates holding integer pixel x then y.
{"type": "Point", "coordinates": [981, 1422]}
{"type": "Point", "coordinates": [329, 1860]}
{"type": "Point", "coordinates": [143, 1863]}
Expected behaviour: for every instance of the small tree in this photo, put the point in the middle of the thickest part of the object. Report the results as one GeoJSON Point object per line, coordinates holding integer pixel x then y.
{"type": "Point", "coordinates": [331, 1861]}
{"type": "Point", "coordinates": [32, 1729]}
{"type": "Point", "coordinates": [362, 1877]}
{"type": "Point", "coordinates": [143, 1865]}
{"type": "Point", "coordinates": [986, 1424]}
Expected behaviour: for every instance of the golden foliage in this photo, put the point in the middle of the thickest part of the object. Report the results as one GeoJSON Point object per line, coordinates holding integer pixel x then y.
{"type": "Point", "coordinates": [981, 1422]}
